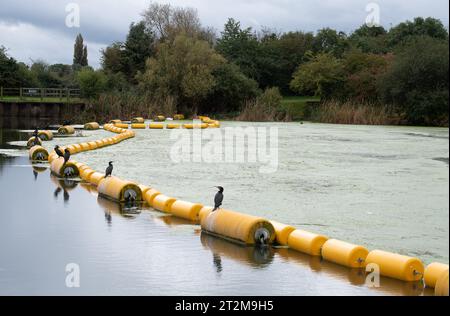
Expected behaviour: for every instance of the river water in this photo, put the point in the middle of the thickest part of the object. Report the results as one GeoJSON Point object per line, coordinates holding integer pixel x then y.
{"type": "Point", "coordinates": [382, 187]}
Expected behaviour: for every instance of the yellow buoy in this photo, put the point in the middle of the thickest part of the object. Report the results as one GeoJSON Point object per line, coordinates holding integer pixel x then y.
{"type": "Point", "coordinates": [173, 126]}
{"type": "Point", "coordinates": [345, 254]}
{"type": "Point", "coordinates": [85, 147]}
{"type": "Point", "coordinates": [441, 288]}
{"type": "Point", "coordinates": [138, 126]}
{"type": "Point", "coordinates": [238, 227]}
{"type": "Point", "coordinates": [68, 170]}
{"type": "Point", "coordinates": [66, 130]}
{"type": "Point", "coordinates": [73, 150]}
{"type": "Point", "coordinates": [433, 272]}
{"type": "Point", "coordinates": [95, 178]}
{"type": "Point", "coordinates": [92, 126]}
{"type": "Point", "coordinates": [186, 210]}
{"type": "Point", "coordinates": [38, 153]}
{"type": "Point", "coordinates": [282, 231]}
{"type": "Point", "coordinates": [92, 145]}
{"type": "Point", "coordinates": [156, 126]}
{"type": "Point", "coordinates": [114, 122]}
{"type": "Point", "coordinates": [119, 190]}
{"type": "Point", "coordinates": [163, 203]}
{"type": "Point", "coordinates": [45, 135]}
{"type": "Point", "coordinates": [85, 173]}
{"type": "Point", "coordinates": [121, 125]}
{"type": "Point", "coordinates": [33, 141]}
{"type": "Point", "coordinates": [396, 266]}
{"type": "Point", "coordinates": [144, 189]}
{"type": "Point", "coordinates": [204, 212]}
{"type": "Point", "coordinates": [150, 195]}
{"type": "Point", "coordinates": [159, 118]}
{"type": "Point", "coordinates": [178, 117]}
{"type": "Point", "coordinates": [138, 120]}
{"type": "Point", "coordinates": [307, 242]}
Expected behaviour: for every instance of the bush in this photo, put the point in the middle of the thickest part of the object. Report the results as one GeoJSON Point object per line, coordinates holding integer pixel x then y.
{"type": "Point", "coordinates": [266, 107]}
{"type": "Point", "coordinates": [418, 82]}
{"type": "Point", "coordinates": [91, 82]}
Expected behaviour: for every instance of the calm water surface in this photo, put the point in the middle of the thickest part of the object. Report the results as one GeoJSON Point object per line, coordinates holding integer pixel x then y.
{"type": "Point", "coordinates": [383, 187]}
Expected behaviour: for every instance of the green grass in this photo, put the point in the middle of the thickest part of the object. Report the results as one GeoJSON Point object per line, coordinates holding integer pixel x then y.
{"type": "Point", "coordinates": [39, 100]}
{"type": "Point", "coordinates": [296, 106]}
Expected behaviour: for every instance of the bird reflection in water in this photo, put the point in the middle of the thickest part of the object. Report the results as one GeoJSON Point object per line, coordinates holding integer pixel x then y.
{"type": "Point", "coordinates": [217, 263]}
{"type": "Point", "coordinates": [37, 170]}
{"type": "Point", "coordinates": [256, 257]}
{"type": "Point", "coordinates": [125, 210]}
{"type": "Point", "coordinates": [65, 186]}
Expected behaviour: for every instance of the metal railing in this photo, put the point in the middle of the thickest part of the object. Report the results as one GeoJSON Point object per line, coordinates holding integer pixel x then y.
{"type": "Point", "coordinates": [39, 93]}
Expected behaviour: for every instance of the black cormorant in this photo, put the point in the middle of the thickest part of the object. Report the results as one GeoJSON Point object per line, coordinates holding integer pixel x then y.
{"type": "Point", "coordinates": [66, 155]}
{"type": "Point", "coordinates": [58, 151]}
{"type": "Point", "coordinates": [218, 199]}
{"type": "Point", "coordinates": [109, 170]}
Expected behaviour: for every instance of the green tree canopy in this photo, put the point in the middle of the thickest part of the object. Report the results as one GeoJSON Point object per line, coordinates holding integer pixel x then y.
{"type": "Point", "coordinates": [80, 57]}
{"type": "Point", "coordinates": [418, 81]}
{"type": "Point", "coordinates": [320, 76]}
{"type": "Point", "coordinates": [182, 69]}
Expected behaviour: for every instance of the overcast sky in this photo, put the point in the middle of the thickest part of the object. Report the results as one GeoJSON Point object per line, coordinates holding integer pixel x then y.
{"type": "Point", "coordinates": [36, 29]}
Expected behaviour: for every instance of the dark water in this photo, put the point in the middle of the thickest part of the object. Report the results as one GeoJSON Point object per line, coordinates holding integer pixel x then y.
{"type": "Point", "coordinates": [47, 224]}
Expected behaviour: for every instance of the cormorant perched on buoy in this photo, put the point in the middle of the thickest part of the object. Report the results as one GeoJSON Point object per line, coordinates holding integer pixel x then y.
{"type": "Point", "coordinates": [66, 155]}
{"type": "Point", "coordinates": [58, 151]}
{"type": "Point", "coordinates": [109, 170]}
{"type": "Point", "coordinates": [218, 199]}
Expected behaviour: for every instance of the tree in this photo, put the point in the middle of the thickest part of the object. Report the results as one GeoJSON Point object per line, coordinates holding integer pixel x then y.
{"type": "Point", "coordinates": [80, 52]}
{"type": "Point", "coordinates": [370, 39]}
{"type": "Point", "coordinates": [182, 69]}
{"type": "Point", "coordinates": [12, 73]}
{"type": "Point", "coordinates": [418, 27]}
{"type": "Point", "coordinates": [330, 41]}
{"type": "Point", "coordinates": [362, 73]}
{"type": "Point", "coordinates": [167, 22]}
{"type": "Point", "coordinates": [241, 47]}
{"type": "Point", "coordinates": [112, 58]}
{"type": "Point", "coordinates": [139, 46]}
{"type": "Point", "coordinates": [321, 76]}
{"type": "Point", "coordinates": [231, 90]}
{"type": "Point", "coordinates": [418, 81]}
{"type": "Point", "coordinates": [91, 82]}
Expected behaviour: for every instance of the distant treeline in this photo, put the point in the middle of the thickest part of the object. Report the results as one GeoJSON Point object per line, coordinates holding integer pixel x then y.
{"type": "Point", "coordinates": [170, 62]}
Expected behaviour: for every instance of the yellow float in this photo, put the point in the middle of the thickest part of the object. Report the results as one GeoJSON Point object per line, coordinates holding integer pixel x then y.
{"type": "Point", "coordinates": [45, 135]}
{"type": "Point", "coordinates": [345, 254]}
{"type": "Point", "coordinates": [307, 242]}
{"type": "Point", "coordinates": [68, 170]}
{"type": "Point", "coordinates": [156, 126]}
{"type": "Point", "coordinates": [138, 126]}
{"type": "Point", "coordinates": [282, 232]}
{"type": "Point", "coordinates": [95, 178]}
{"type": "Point", "coordinates": [115, 122]}
{"type": "Point", "coordinates": [163, 203]}
{"type": "Point", "coordinates": [38, 153]}
{"type": "Point", "coordinates": [92, 126]}
{"type": "Point", "coordinates": [178, 117]}
{"type": "Point", "coordinates": [442, 285]}
{"type": "Point", "coordinates": [159, 118]}
{"type": "Point", "coordinates": [138, 120]}
{"type": "Point", "coordinates": [186, 210]}
{"type": "Point", "coordinates": [396, 266]}
{"type": "Point", "coordinates": [119, 190]}
{"type": "Point", "coordinates": [173, 126]}
{"type": "Point", "coordinates": [433, 272]}
{"type": "Point", "coordinates": [33, 141]}
{"type": "Point", "coordinates": [241, 228]}
{"type": "Point", "coordinates": [121, 125]}
{"type": "Point", "coordinates": [150, 195]}
{"type": "Point", "coordinates": [66, 130]}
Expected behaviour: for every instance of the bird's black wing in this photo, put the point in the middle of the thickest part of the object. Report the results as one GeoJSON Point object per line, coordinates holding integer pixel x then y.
{"type": "Point", "coordinates": [218, 199]}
